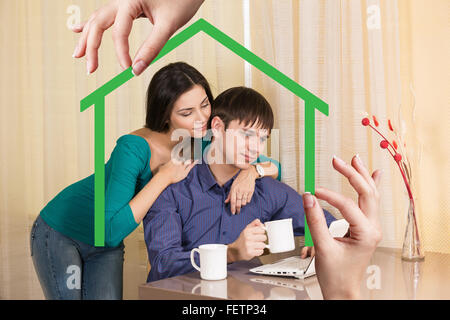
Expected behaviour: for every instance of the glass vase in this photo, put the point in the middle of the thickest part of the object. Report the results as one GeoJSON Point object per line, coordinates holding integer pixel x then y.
{"type": "Point", "coordinates": [412, 273]}
{"type": "Point", "coordinates": [412, 249]}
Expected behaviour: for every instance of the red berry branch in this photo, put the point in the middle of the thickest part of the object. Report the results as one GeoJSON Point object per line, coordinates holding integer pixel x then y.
{"type": "Point", "coordinates": [392, 149]}
{"type": "Point", "coordinates": [385, 144]}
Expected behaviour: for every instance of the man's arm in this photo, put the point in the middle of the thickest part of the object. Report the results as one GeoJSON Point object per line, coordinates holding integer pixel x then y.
{"type": "Point", "coordinates": [294, 208]}
{"type": "Point", "coordinates": [163, 234]}
{"type": "Point", "coordinates": [286, 203]}
{"type": "Point", "coordinates": [249, 244]}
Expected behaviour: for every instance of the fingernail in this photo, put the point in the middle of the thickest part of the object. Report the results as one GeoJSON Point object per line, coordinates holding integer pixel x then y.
{"type": "Point", "coordinates": [139, 67]}
{"type": "Point", "coordinates": [75, 52]}
{"type": "Point", "coordinates": [338, 160]}
{"type": "Point", "coordinates": [358, 159]}
{"type": "Point", "coordinates": [308, 200]}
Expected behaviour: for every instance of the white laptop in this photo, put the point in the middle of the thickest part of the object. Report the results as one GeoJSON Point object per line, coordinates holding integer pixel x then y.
{"type": "Point", "coordinates": [296, 266]}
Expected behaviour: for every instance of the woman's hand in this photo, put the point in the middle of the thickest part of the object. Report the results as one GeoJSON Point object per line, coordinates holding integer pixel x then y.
{"type": "Point", "coordinates": [341, 262]}
{"type": "Point", "coordinates": [167, 16]}
{"type": "Point", "coordinates": [174, 171]}
{"type": "Point", "coordinates": [242, 189]}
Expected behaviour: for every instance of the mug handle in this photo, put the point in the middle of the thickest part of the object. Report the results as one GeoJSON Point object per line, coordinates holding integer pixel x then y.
{"type": "Point", "coordinates": [192, 258]}
{"type": "Point", "coordinates": [195, 288]}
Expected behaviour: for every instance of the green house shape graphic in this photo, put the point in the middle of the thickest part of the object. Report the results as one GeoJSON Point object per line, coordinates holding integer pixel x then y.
{"type": "Point", "coordinates": [97, 98]}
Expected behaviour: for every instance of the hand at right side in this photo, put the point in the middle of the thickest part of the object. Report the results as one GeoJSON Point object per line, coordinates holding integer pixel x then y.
{"type": "Point", "coordinates": [341, 262]}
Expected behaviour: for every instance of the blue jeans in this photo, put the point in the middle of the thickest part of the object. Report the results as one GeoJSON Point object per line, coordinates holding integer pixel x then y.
{"type": "Point", "coordinates": [72, 270]}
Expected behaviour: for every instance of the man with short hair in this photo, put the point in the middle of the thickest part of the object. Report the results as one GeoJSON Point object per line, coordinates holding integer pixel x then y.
{"type": "Point", "coordinates": [193, 211]}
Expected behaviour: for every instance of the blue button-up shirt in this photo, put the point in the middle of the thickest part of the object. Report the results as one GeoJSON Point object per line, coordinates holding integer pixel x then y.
{"type": "Point", "coordinates": [192, 212]}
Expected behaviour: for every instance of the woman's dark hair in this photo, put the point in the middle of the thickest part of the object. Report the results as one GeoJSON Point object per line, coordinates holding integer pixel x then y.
{"type": "Point", "coordinates": [245, 105]}
{"type": "Point", "coordinates": [169, 83]}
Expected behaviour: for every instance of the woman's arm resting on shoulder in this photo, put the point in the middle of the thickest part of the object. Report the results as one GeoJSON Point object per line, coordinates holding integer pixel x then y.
{"type": "Point", "coordinates": [272, 167]}
{"type": "Point", "coordinates": [242, 189]}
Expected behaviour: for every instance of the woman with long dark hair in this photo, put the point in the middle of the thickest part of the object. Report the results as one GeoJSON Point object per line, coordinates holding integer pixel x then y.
{"type": "Point", "coordinates": [140, 167]}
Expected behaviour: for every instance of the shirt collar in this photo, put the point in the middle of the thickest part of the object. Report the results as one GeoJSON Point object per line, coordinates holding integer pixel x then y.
{"type": "Point", "coordinates": [207, 179]}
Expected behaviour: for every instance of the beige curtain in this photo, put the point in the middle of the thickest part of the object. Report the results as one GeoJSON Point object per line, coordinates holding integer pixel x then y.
{"type": "Point", "coordinates": [369, 57]}
{"type": "Point", "coordinates": [342, 51]}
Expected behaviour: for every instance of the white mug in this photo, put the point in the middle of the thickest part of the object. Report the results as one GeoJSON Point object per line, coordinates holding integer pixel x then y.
{"type": "Point", "coordinates": [216, 288]}
{"type": "Point", "coordinates": [281, 235]}
{"type": "Point", "coordinates": [213, 261]}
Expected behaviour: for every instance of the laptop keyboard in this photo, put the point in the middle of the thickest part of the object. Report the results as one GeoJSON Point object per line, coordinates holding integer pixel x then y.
{"type": "Point", "coordinates": [288, 264]}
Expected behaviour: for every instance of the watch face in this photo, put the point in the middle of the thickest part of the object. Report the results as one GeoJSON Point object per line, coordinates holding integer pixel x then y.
{"type": "Point", "coordinates": [260, 170]}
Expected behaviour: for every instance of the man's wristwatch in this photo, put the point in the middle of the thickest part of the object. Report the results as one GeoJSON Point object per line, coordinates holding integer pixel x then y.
{"type": "Point", "coordinates": [259, 170]}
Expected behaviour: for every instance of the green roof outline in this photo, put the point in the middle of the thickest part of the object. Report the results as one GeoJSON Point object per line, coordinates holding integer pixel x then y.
{"type": "Point", "coordinates": [97, 98]}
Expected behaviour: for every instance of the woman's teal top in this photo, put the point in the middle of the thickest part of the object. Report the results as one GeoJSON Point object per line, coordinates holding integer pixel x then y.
{"type": "Point", "coordinates": [127, 171]}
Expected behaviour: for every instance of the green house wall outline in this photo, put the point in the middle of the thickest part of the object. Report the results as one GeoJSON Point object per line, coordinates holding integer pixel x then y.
{"type": "Point", "coordinates": [97, 98]}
